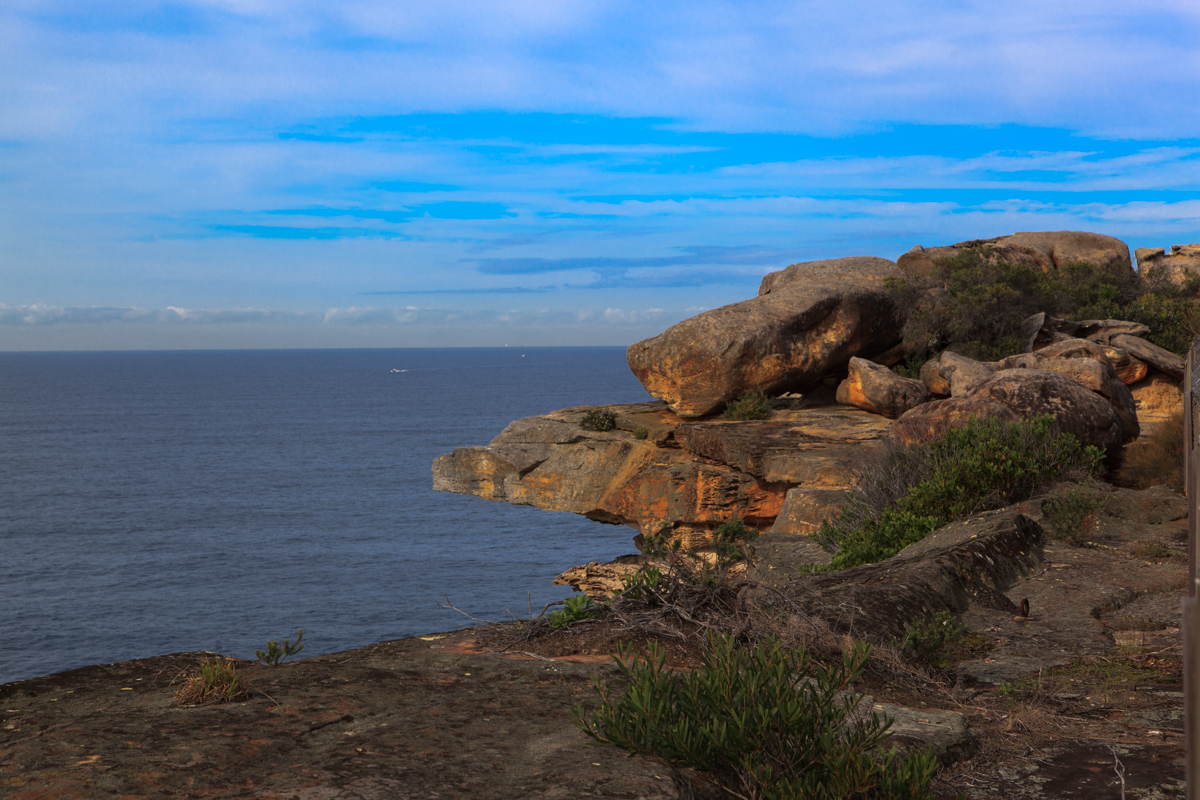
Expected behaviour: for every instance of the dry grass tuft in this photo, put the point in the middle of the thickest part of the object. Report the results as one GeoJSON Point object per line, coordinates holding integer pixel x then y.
{"type": "Point", "coordinates": [1155, 459]}
{"type": "Point", "coordinates": [216, 679]}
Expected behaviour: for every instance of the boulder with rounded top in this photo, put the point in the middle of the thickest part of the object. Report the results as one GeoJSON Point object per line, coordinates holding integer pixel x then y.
{"type": "Point", "coordinates": [806, 323]}
{"type": "Point", "coordinates": [1048, 250]}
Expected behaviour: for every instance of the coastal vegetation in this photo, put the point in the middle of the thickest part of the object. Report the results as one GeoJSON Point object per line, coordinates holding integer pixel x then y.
{"type": "Point", "coordinates": [748, 406]}
{"type": "Point", "coordinates": [910, 490]}
{"type": "Point", "coordinates": [276, 653]}
{"type": "Point", "coordinates": [975, 302]}
{"type": "Point", "coordinates": [598, 419]}
{"type": "Point", "coordinates": [767, 722]}
{"type": "Point", "coordinates": [216, 679]}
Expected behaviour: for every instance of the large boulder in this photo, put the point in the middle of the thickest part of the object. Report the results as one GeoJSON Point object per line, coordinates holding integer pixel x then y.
{"type": "Point", "coordinates": [1024, 393]}
{"type": "Point", "coordinates": [1083, 413]}
{"type": "Point", "coordinates": [1048, 250]}
{"type": "Point", "coordinates": [806, 323]}
{"type": "Point", "coordinates": [1181, 264]}
{"type": "Point", "coordinates": [930, 420]}
{"type": "Point", "coordinates": [948, 373]}
{"type": "Point", "coordinates": [875, 388]}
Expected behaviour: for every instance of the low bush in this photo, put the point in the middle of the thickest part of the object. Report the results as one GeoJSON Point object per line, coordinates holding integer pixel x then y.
{"type": "Point", "coordinates": [1155, 459]}
{"type": "Point", "coordinates": [750, 405]}
{"type": "Point", "coordinates": [761, 723]}
{"type": "Point", "coordinates": [598, 419]}
{"type": "Point", "coordinates": [928, 640]}
{"type": "Point", "coordinates": [216, 679]}
{"type": "Point", "coordinates": [1072, 515]}
{"type": "Point", "coordinates": [275, 653]}
{"type": "Point", "coordinates": [640, 433]}
{"type": "Point", "coordinates": [909, 491]}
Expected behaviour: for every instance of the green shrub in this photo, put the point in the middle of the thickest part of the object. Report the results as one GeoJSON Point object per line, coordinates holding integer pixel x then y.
{"type": "Point", "coordinates": [927, 640]}
{"type": "Point", "coordinates": [1156, 458]}
{"type": "Point", "coordinates": [598, 419]}
{"type": "Point", "coordinates": [750, 405]}
{"type": "Point", "coordinates": [912, 490]}
{"type": "Point", "coordinates": [575, 608]}
{"type": "Point", "coordinates": [1072, 515]}
{"type": "Point", "coordinates": [686, 566]}
{"type": "Point", "coordinates": [974, 303]}
{"type": "Point", "coordinates": [762, 723]}
{"type": "Point", "coordinates": [276, 653]}
{"type": "Point", "coordinates": [640, 433]}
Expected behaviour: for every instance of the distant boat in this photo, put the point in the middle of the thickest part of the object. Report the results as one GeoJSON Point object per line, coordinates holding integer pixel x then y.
{"type": "Point", "coordinates": [399, 370]}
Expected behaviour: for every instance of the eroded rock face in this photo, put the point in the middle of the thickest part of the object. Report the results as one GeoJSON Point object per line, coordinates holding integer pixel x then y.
{"type": "Point", "coordinates": [875, 388]}
{"type": "Point", "coordinates": [698, 475]}
{"type": "Point", "coordinates": [1181, 264]}
{"type": "Point", "coordinates": [1048, 250]}
{"type": "Point", "coordinates": [807, 322]}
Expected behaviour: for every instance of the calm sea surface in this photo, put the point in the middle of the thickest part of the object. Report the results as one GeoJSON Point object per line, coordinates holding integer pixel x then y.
{"type": "Point", "coordinates": [156, 502]}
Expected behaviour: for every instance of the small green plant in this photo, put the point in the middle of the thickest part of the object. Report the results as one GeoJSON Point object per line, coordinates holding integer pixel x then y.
{"type": "Point", "coordinates": [912, 490]}
{"type": "Point", "coordinates": [276, 653]}
{"type": "Point", "coordinates": [910, 367]}
{"type": "Point", "coordinates": [635, 585]}
{"type": "Point", "coordinates": [928, 640]}
{"type": "Point", "coordinates": [750, 405]}
{"type": "Point", "coordinates": [640, 433]}
{"type": "Point", "coordinates": [598, 419]}
{"type": "Point", "coordinates": [575, 608]}
{"type": "Point", "coordinates": [762, 723]}
{"type": "Point", "coordinates": [1072, 515]}
{"type": "Point", "coordinates": [216, 679]}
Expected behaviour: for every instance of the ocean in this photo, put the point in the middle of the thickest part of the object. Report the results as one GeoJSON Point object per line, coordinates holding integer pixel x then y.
{"type": "Point", "coordinates": [156, 502]}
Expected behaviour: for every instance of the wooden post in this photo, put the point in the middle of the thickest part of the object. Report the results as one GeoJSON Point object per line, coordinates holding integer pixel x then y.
{"type": "Point", "coordinates": [1190, 626]}
{"type": "Point", "coordinates": [1190, 617]}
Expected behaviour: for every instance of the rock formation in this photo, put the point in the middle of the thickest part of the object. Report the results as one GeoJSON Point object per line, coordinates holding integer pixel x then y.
{"type": "Point", "coordinates": [1181, 264]}
{"type": "Point", "coordinates": [806, 323]}
{"type": "Point", "coordinates": [794, 466]}
{"type": "Point", "coordinates": [811, 325]}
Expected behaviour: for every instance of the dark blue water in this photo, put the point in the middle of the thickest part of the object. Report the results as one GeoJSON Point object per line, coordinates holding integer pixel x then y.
{"type": "Point", "coordinates": [156, 502]}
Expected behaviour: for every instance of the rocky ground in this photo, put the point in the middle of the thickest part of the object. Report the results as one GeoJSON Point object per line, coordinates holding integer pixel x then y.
{"type": "Point", "coordinates": [1069, 702]}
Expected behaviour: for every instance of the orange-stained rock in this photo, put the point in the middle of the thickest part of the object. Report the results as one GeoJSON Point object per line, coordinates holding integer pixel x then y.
{"type": "Point", "coordinates": [1048, 250]}
{"type": "Point", "coordinates": [706, 474]}
{"type": "Point", "coordinates": [1128, 368]}
{"type": "Point", "coordinates": [875, 388]}
{"type": "Point", "coordinates": [806, 323]}
{"type": "Point", "coordinates": [1162, 360]}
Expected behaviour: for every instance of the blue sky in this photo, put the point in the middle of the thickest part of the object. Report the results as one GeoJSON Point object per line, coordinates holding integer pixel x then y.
{"type": "Point", "coordinates": [364, 174]}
